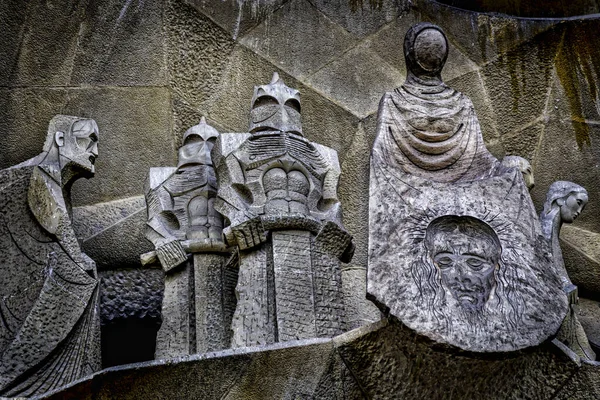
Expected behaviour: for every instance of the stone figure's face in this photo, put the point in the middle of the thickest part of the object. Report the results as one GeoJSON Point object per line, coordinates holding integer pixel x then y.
{"type": "Point", "coordinates": [528, 176]}
{"type": "Point", "coordinates": [80, 146]}
{"type": "Point", "coordinates": [430, 50]}
{"type": "Point", "coordinates": [198, 142]}
{"type": "Point", "coordinates": [196, 151]}
{"type": "Point", "coordinates": [467, 265]}
{"type": "Point", "coordinates": [572, 206]}
{"type": "Point", "coordinates": [275, 107]}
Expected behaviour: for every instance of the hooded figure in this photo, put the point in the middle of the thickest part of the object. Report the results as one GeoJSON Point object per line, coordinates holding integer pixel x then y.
{"type": "Point", "coordinates": [434, 127]}
{"type": "Point", "coordinates": [433, 188]}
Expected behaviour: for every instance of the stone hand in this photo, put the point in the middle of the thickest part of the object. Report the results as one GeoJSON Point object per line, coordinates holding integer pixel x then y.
{"type": "Point", "coordinates": [171, 255]}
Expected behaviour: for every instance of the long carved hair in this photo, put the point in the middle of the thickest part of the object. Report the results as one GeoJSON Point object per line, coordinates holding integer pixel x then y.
{"type": "Point", "coordinates": [503, 299]}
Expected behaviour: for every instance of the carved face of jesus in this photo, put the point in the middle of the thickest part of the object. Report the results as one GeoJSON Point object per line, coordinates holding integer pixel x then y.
{"type": "Point", "coordinates": [467, 261]}
{"type": "Point", "coordinates": [80, 146]}
{"type": "Point", "coordinates": [572, 206]}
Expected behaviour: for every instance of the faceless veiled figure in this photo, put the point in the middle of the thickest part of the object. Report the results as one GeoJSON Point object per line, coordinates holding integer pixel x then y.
{"type": "Point", "coordinates": [426, 128]}
{"type": "Point", "coordinates": [43, 347]}
{"type": "Point", "coordinates": [522, 165]}
{"type": "Point", "coordinates": [466, 253]}
{"type": "Point", "coordinates": [429, 161]}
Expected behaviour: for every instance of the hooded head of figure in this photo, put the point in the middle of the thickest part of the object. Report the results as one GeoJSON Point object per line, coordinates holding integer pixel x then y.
{"type": "Point", "coordinates": [425, 52]}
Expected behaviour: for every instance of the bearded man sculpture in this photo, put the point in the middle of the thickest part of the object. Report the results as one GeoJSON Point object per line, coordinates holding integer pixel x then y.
{"type": "Point", "coordinates": [49, 327]}
{"type": "Point", "coordinates": [455, 245]}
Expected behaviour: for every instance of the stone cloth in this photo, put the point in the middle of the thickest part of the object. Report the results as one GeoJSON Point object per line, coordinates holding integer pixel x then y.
{"type": "Point", "coordinates": [49, 330]}
{"type": "Point", "coordinates": [434, 133]}
{"type": "Point", "coordinates": [429, 161]}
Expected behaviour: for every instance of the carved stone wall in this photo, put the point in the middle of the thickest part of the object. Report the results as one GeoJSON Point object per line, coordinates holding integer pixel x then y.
{"type": "Point", "coordinates": [146, 70]}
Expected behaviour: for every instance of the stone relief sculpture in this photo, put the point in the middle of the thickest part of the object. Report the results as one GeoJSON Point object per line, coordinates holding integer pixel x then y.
{"type": "Point", "coordinates": [278, 191]}
{"type": "Point", "coordinates": [564, 202]}
{"type": "Point", "coordinates": [199, 298]}
{"type": "Point", "coordinates": [49, 326]}
{"type": "Point", "coordinates": [522, 165]}
{"type": "Point", "coordinates": [456, 250]}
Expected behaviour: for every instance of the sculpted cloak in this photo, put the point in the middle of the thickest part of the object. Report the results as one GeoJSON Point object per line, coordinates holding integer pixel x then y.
{"type": "Point", "coordinates": [433, 180]}
{"type": "Point", "coordinates": [49, 328]}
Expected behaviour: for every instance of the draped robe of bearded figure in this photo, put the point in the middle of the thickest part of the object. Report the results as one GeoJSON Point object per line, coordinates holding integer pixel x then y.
{"type": "Point", "coordinates": [49, 324]}
{"type": "Point", "coordinates": [437, 198]}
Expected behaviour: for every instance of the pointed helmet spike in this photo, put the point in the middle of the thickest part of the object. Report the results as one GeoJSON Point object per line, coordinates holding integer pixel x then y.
{"type": "Point", "coordinates": [275, 78]}
{"type": "Point", "coordinates": [203, 120]}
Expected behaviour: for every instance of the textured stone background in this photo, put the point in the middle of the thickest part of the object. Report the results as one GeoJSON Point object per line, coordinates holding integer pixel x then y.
{"type": "Point", "coordinates": [148, 69]}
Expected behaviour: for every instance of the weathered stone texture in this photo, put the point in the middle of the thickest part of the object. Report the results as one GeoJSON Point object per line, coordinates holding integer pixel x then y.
{"type": "Point", "coordinates": [119, 44]}
{"type": "Point", "coordinates": [131, 294]}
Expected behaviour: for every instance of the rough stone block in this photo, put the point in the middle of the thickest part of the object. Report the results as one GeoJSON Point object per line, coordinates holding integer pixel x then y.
{"type": "Point", "coordinates": [387, 357]}
{"type": "Point", "coordinates": [197, 52]}
{"type": "Point", "coordinates": [356, 80]}
{"type": "Point", "coordinates": [524, 142]}
{"type": "Point", "coordinates": [50, 34]}
{"type": "Point", "coordinates": [581, 252]}
{"type": "Point", "coordinates": [560, 157]}
{"type": "Point", "coordinates": [24, 116]}
{"type": "Point", "coordinates": [121, 43]}
{"type": "Point", "coordinates": [362, 18]}
{"type": "Point", "coordinates": [281, 39]}
{"type": "Point", "coordinates": [482, 37]}
{"type": "Point", "coordinates": [236, 17]}
{"type": "Point", "coordinates": [131, 293]}
{"type": "Point", "coordinates": [518, 82]}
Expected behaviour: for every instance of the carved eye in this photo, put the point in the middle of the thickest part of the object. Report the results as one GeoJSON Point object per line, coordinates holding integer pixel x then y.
{"type": "Point", "coordinates": [265, 101]}
{"type": "Point", "coordinates": [475, 263]}
{"type": "Point", "coordinates": [444, 262]}
{"type": "Point", "coordinates": [579, 202]}
{"type": "Point", "coordinates": [294, 104]}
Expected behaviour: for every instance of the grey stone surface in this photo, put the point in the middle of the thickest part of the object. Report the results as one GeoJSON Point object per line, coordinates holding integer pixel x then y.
{"type": "Point", "coordinates": [122, 171]}
{"type": "Point", "coordinates": [362, 18]}
{"type": "Point", "coordinates": [26, 110]}
{"type": "Point", "coordinates": [356, 80]}
{"type": "Point", "coordinates": [182, 220]}
{"type": "Point", "coordinates": [384, 360]}
{"type": "Point", "coordinates": [289, 49]}
{"type": "Point", "coordinates": [42, 51]}
{"type": "Point", "coordinates": [279, 193]}
{"type": "Point", "coordinates": [118, 44]}
{"type": "Point", "coordinates": [455, 245]}
{"type": "Point", "coordinates": [49, 331]}
{"type": "Point", "coordinates": [581, 252]}
{"type": "Point", "coordinates": [197, 52]}
{"type": "Point", "coordinates": [131, 294]}
{"type": "Point", "coordinates": [237, 17]}
{"type": "Point", "coordinates": [589, 317]}
{"type": "Point", "coordinates": [388, 360]}
{"type": "Point", "coordinates": [112, 233]}
{"type": "Point", "coordinates": [301, 369]}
